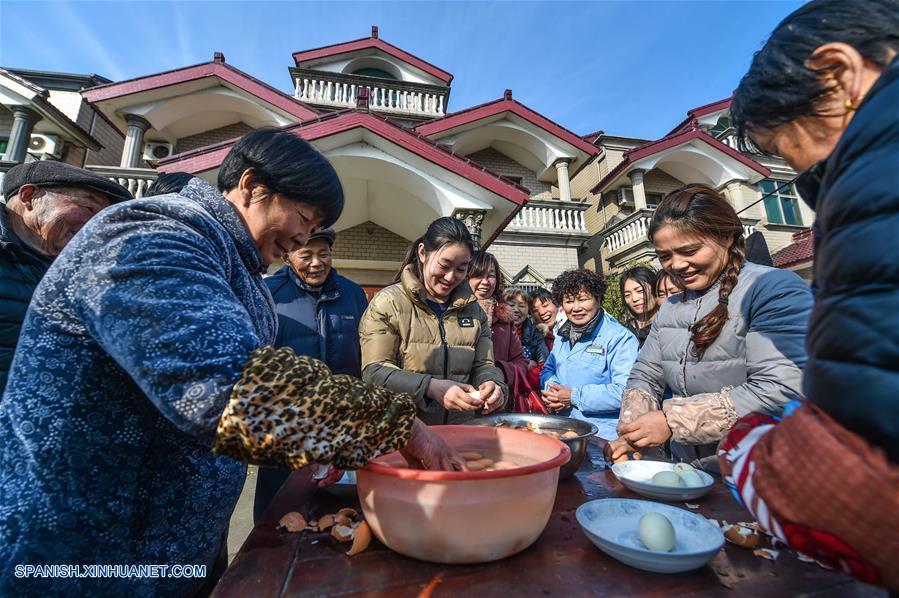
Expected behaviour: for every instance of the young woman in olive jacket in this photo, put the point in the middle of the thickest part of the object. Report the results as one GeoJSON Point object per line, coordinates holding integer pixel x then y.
{"type": "Point", "coordinates": [427, 336]}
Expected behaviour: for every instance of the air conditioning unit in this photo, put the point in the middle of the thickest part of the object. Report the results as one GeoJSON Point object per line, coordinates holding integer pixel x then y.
{"type": "Point", "coordinates": [157, 151]}
{"type": "Point", "coordinates": [625, 196]}
{"type": "Point", "coordinates": [44, 144]}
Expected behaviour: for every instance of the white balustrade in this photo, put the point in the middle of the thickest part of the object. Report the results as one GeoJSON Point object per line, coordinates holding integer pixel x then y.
{"type": "Point", "coordinates": [136, 180]}
{"type": "Point", "coordinates": [381, 98]}
{"type": "Point", "coordinates": [557, 219]}
{"type": "Point", "coordinates": [633, 231]}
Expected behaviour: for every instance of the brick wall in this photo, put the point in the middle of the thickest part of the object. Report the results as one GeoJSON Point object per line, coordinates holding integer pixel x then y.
{"type": "Point", "coordinates": [659, 181]}
{"type": "Point", "coordinates": [214, 136]}
{"type": "Point", "coordinates": [506, 166]}
{"type": "Point", "coordinates": [113, 142]}
{"type": "Point", "coordinates": [368, 241]}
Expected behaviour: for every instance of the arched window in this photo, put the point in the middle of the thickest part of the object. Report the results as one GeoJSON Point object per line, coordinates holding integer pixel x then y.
{"type": "Point", "coordinates": [371, 72]}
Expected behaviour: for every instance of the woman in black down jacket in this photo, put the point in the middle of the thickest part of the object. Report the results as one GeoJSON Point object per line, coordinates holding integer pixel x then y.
{"type": "Point", "coordinates": [823, 93]}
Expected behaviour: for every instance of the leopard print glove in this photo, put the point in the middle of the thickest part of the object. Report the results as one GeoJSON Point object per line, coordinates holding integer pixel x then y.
{"type": "Point", "coordinates": [634, 403]}
{"type": "Point", "coordinates": [289, 411]}
{"type": "Point", "coordinates": [702, 418]}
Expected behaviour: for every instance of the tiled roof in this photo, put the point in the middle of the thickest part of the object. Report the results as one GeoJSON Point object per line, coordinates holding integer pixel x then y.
{"type": "Point", "coordinates": [800, 251]}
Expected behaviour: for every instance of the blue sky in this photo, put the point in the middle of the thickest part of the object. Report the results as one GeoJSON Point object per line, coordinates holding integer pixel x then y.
{"type": "Point", "coordinates": [628, 68]}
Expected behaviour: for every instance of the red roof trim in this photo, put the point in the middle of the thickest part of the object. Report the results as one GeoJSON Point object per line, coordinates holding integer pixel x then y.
{"type": "Point", "coordinates": [223, 71]}
{"type": "Point", "coordinates": [368, 42]}
{"type": "Point", "coordinates": [654, 147]}
{"type": "Point", "coordinates": [464, 117]}
{"type": "Point", "coordinates": [211, 157]}
{"type": "Point", "coordinates": [700, 111]}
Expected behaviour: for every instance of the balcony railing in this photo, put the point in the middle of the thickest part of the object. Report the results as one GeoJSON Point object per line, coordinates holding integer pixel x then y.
{"type": "Point", "coordinates": [550, 216]}
{"type": "Point", "coordinates": [136, 180]}
{"type": "Point", "coordinates": [634, 230]}
{"type": "Point", "coordinates": [395, 97]}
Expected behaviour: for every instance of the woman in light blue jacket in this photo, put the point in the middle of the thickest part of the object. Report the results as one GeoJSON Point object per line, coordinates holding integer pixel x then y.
{"type": "Point", "coordinates": [587, 370]}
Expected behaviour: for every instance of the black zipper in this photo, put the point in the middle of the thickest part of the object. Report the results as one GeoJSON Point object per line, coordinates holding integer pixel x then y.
{"type": "Point", "coordinates": [445, 359]}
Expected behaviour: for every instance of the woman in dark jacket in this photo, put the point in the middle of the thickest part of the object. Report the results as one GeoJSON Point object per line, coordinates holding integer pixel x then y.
{"type": "Point", "coordinates": [145, 378]}
{"type": "Point", "coordinates": [837, 123]}
{"type": "Point", "coordinates": [484, 280]}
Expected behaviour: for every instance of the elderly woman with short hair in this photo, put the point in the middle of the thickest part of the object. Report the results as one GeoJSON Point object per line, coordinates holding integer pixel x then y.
{"type": "Point", "coordinates": [145, 375]}
{"type": "Point", "coordinates": [823, 93]}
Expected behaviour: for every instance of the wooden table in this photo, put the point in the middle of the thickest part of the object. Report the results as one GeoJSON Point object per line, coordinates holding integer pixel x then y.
{"type": "Point", "coordinates": [562, 562]}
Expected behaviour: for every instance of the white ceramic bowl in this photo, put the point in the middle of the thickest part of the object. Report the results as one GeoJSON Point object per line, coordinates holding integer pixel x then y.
{"type": "Point", "coordinates": [612, 525]}
{"type": "Point", "coordinates": [637, 476]}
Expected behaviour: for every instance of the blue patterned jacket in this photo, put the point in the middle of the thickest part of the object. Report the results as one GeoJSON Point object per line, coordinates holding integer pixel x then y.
{"type": "Point", "coordinates": [126, 360]}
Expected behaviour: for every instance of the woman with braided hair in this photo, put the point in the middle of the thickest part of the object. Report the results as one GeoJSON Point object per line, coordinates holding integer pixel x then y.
{"type": "Point", "coordinates": [732, 343]}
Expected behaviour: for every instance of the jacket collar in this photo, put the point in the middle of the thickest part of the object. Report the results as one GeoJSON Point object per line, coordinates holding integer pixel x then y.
{"type": "Point", "coordinates": [224, 213]}
{"type": "Point", "coordinates": [325, 289]}
{"type": "Point", "coordinates": [414, 288]}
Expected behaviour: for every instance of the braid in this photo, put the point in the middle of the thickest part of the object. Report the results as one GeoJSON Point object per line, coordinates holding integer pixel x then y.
{"type": "Point", "coordinates": [705, 331]}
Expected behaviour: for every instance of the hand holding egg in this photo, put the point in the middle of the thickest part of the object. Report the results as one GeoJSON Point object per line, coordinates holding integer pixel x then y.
{"type": "Point", "coordinates": [491, 394]}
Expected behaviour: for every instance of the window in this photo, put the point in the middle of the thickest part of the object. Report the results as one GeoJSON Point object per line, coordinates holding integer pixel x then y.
{"type": "Point", "coordinates": [653, 199]}
{"type": "Point", "coordinates": [3, 144]}
{"type": "Point", "coordinates": [515, 179]}
{"type": "Point", "coordinates": [781, 202]}
{"type": "Point", "coordinates": [371, 72]}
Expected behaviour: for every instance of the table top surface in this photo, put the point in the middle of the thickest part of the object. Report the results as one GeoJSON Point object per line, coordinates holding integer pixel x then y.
{"type": "Point", "coordinates": [562, 562]}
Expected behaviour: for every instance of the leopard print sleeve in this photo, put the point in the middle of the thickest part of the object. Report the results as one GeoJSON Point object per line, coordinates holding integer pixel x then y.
{"type": "Point", "coordinates": [289, 411]}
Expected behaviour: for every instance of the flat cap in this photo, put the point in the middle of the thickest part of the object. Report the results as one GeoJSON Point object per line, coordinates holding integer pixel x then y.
{"type": "Point", "coordinates": [327, 234]}
{"type": "Point", "coordinates": [48, 173]}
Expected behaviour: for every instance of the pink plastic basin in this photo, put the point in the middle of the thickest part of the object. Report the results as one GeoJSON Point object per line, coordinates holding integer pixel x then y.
{"type": "Point", "coordinates": [465, 517]}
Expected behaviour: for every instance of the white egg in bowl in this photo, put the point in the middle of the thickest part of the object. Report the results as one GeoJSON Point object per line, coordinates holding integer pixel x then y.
{"type": "Point", "coordinates": [614, 526]}
{"type": "Point", "coordinates": [663, 481]}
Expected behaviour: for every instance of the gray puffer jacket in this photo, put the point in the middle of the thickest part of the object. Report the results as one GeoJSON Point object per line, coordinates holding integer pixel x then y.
{"type": "Point", "coordinates": [755, 364]}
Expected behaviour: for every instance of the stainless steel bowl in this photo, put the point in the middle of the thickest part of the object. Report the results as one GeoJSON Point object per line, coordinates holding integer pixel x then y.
{"type": "Point", "coordinates": [556, 423]}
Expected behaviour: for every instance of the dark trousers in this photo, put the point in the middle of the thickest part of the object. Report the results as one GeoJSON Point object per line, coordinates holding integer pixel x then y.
{"type": "Point", "coordinates": [268, 481]}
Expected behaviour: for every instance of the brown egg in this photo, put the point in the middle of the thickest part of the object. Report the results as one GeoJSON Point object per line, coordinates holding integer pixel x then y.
{"type": "Point", "coordinates": [471, 455]}
{"type": "Point", "coordinates": [505, 465]}
{"type": "Point", "coordinates": [479, 465]}
{"type": "Point", "coordinates": [570, 434]}
{"type": "Point", "coordinates": [292, 522]}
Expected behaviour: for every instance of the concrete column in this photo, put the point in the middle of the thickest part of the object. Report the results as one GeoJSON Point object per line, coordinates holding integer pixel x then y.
{"type": "Point", "coordinates": [639, 192]}
{"type": "Point", "coordinates": [134, 141]}
{"type": "Point", "coordinates": [734, 193]}
{"type": "Point", "coordinates": [564, 182]}
{"type": "Point", "coordinates": [20, 134]}
{"type": "Point", "coordinates": [473, 219]}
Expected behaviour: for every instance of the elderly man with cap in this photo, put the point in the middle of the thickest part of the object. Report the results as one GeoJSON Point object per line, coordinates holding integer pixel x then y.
{"type": "Point", "coordinates": [318, 316]}
{"type": "Point", "coordinates": [46, 204]}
